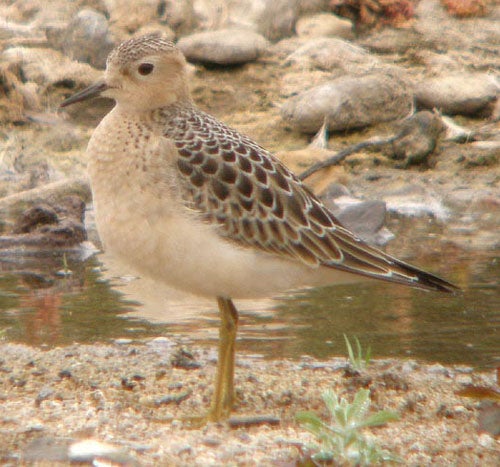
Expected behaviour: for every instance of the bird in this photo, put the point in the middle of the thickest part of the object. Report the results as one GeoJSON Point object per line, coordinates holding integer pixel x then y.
{"type": "Point", "coordinates": [187, 200]}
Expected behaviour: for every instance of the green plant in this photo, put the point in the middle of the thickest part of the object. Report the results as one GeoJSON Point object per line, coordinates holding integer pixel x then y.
{"type": "Point", "coordinates": [340, 440]}
{"type": "Point", "coordinates": [357, 361]}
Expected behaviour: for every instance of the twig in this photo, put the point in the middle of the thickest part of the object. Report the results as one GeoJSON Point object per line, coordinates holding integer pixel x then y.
{"type": "Point", "coordinates": [341, 155]}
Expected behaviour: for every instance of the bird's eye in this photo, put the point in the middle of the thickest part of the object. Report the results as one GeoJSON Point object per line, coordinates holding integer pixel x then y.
{"type": "Point", "coordinates": [145, 68]}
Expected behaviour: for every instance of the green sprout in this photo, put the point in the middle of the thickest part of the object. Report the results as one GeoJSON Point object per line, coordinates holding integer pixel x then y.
{"type": "Point", "coordinates": [340, 439]}
{"type": "Point", "coordinates": [357, 361]}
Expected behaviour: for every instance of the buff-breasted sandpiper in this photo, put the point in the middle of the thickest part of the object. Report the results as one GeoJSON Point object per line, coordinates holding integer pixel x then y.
{"type": "Point", "coordinates": [183, 198]}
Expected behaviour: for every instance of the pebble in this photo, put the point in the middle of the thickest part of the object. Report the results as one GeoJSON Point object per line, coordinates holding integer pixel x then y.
{"type": "Point", "coordinates": [438, 369]}
{"type": "Point", "coordinates": [223, 47]}
{"type": "Point", "coordinates": [414, 199]}
{"type": "Point", "coordinates": [367, 219]}
{"type": "Point", "coordinates": [464, 94]}
{"type": "Point", "coordinates": [122, 341]}
{"type": "Point", "coordinates": [324, 24]}
{"type": "Point", "coordinates": [95, 451]}
{"type": "Point", "coordinates": [349, 102]}
{"type": "Point", "coordinates": [486, 441]}
{"type": "Point", "coordinates": [46, 449]}
{"type": "Point", "coordinates": [64, 273]}
{"type": "Point", "coordinates": [418, 138]}
{"type": "Point", "coordinates": [393, 41]}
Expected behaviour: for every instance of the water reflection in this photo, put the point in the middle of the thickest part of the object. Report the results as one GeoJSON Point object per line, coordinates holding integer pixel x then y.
{"type": "Point", "coordinates": [38, 306]}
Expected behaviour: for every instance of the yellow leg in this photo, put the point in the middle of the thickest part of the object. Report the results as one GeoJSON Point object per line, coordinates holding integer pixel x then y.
{"type": "Point", "coordinates": [223, 398]}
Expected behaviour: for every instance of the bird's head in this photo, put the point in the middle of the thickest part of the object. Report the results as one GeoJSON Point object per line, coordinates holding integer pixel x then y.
{"type": "Point", "coordinates": [142, 74]}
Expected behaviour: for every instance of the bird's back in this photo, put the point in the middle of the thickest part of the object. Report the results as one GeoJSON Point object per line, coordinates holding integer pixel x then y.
{"type": "Point", "coordinates": [256, 202]}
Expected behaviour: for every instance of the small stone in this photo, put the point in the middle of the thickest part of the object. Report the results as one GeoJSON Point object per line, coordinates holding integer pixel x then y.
{"type": "Point", "coordinates": [182, 449]}
{"type": "Point", "coordinates": [489, 417]}
{"type": "Point", "coordinates": [486, 441]}
{"type": "Point", "coordinates": [127, 384]}
{"type": "Point", "coordinates": [123, 341]}
{"type": "Point", "coordinates": [184, 359]}
{"type": "Point", "coordinates": [89, 450]}
{"type": "Point", "coordinates": [463, 379]}
{"type": "Point", "coordinates": [392, 40]}
{"type": "Point", "coordinates": [238, 422]}
{"type": "Point", "coordinates": [46, 449]}
{"type": "Point", "coordinates": [43, 395]}
{"type": "Point", "coordinates": [65, 374]}
{"type": "Point", "coordinates": [172, 399]}
{"type": "Point", "coordinates": [365, 219]}
{"type": "Point", "coordinates": [438, 369]}
{"type": "Point", "coordinates": [35, 427]}
{"type": "Point", "coordinates": [223, 47]}
{"type": "Point", "coordinates": [324, 24]}
{"type": "Point", "coordinates": [161, 340]}
{"type": "Point", "coordinates": [412, 199]}
{"type": "Point", "coordinates": [212, 442]}
{"type": "Point", "coordinates": [418, 138]}
{"type": "Point", "coordinates": [64, 273]}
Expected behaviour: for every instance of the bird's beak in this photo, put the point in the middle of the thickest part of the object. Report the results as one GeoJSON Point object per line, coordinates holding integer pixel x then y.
{"type": "Point", "coordinates": [93, 90]}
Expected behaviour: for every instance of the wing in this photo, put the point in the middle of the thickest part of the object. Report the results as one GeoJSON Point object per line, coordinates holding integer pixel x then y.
{"type": "Point", "coordinates": [257, 202]}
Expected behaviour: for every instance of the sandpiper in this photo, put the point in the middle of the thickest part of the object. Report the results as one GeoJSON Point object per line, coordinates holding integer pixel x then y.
{"type": "Point", "coordinates": [184, 199]}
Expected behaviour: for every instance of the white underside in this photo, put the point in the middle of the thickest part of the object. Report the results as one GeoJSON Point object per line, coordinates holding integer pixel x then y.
{"type": "Point", "coordinates": [187, 254]}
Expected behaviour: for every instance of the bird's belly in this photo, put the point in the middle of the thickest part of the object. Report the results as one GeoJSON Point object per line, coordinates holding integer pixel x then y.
{"type": "Point", "coordinates": [187, 254]}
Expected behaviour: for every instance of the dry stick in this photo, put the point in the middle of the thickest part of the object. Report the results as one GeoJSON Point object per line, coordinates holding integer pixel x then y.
{"type": "Point", "coordinates": [341, 155]}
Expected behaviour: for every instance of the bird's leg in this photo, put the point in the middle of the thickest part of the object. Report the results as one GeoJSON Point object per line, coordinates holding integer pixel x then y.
{"type": "Point", "coordinates": [223, 398]}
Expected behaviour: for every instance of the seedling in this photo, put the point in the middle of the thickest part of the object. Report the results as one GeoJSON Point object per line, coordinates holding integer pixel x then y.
{"type": "Point", "coordinates": [357, 361]}
{"type": "Point", "coordinates": [340, 440]}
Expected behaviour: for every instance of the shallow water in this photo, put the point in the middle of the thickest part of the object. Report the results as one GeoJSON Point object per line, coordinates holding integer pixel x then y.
{"type": "Point", "coordinates": [40, 307]}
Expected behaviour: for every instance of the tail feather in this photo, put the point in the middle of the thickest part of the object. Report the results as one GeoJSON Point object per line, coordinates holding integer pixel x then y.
{"type": "Point", "coordinates": [371, 262]}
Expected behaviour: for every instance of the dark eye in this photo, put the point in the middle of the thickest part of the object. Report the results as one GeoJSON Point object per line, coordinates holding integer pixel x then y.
{"type": "Point", "coordinates": [145, 68]}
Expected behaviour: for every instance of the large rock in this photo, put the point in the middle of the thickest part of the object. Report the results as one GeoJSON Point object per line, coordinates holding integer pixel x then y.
{"type": "Point", "coordinates": [179, 15]}
{"type": "Point", "coordinates": [48, 67]}
{"type": "Point", "coordinates": [86, 39]}
{"type": "Point", "coordinates": [349, 102]}
{"type": "Point", "coordinates": [329, 53]}
{"type": "Point", "coordinates": [465, 94]}
{"type": "Point", "coordinates": [223, 47]}
{"type": "Point", "coordinates": [130, 16]}
{"type": "Point", "coordinates": [16, 96]}
{"type": "Point", "coordinates": [273, 19]}
{"type": "Point", "coordinates": [436, 25]}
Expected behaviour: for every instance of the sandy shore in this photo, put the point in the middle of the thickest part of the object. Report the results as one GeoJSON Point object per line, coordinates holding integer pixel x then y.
{"type": "Point", "coordinates": [131, 396]}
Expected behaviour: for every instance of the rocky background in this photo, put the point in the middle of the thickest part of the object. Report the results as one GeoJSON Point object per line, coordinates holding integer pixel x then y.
{"type": "Point", "coordinates": [415, 82]}
{"type": "Point", "coordinates": [397, 99]}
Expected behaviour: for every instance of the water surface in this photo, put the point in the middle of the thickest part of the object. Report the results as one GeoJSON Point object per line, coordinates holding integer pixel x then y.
{"type": "Point", "coordinates": [41, 305]}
